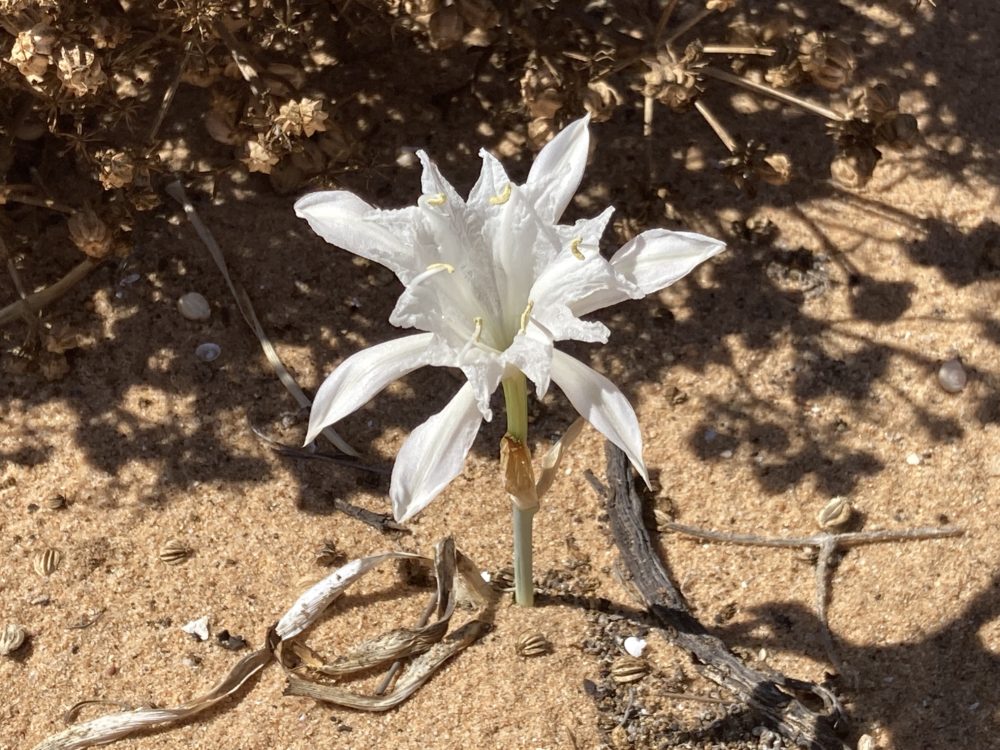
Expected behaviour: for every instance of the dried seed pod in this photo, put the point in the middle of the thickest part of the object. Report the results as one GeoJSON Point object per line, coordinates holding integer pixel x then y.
{"type": "Point", "coordinates": [45, 562]}
{"type": "Point", "coordinates": [12, 637]}
{"type": "Point", "coordinates": [79, 70]}
{"type": "Point", "coordinates": [533, 644]}
{"type": "Point", "coordinates": [90, 233]}
{"type": "Point", "coordinates": [117, 169]}
{"type": "Point", "coordinates": [601, 99]}
{"type": "Point", "coordinates": [302, 117]}
{"type": "Point", "coordinates": [674, 82]}
{"type": "Point", "coordinates": [174, 552]}
{"type": "Point", "coordinates": [899, 131]}
{"type": "Point", "coordinates": [827, 60]}
{"type": "Point", "coordinates": [258, 156]}
{"type": "Point", "coordinates": [835, 514]}
{"type": "Point", "coordinates": [629, 669]}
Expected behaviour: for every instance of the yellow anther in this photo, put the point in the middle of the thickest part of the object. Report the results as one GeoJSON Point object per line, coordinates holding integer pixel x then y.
{"type": "Point", "coordinates": [525, 315]}
{"type": "Point", "coordinates": [503, 197]}
{"type": "Point", "coordinates": [441, 267]}
{"type": "Point", "coordinates": [437, 200]}
{"type": "Point", "coordinates": [479, 329]}
{"type": "Point", "coordinates": [574, 247]}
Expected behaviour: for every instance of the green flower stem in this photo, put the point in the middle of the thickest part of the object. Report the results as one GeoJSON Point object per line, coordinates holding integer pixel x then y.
{"type": "Point", "coordinates": [515, 391]}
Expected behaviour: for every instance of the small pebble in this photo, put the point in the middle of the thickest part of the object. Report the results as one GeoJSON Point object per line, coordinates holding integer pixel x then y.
{"type": "Point", "coordinates": [198, 628]}
{"type": "Point", "coordinates": [726, 454]}
{"type": "Point", "coordinates": [208, 352]}
{"type": "Point", "coordinates": [913, 459]}
{"type": "Point", "coordinates": [634, 646]}
{"type": "Point", "coordinates": [952, 377]}
{"type": "Point", "coordinates": [194, 306]}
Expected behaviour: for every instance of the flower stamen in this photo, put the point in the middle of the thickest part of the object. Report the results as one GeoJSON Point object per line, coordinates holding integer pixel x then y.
{"type": "Point", "coordinates": [441, 267]}
{"type": "Point", "coordinates": [503, 197]}
{"type": "Point", "coordinates": [436, 200]}
{"type": "Point", "coordinates": [574, 247]}
{"type": "Point", "coordinates": [526, 315]}
{"type": "Point", "coordinates": [478, 332]}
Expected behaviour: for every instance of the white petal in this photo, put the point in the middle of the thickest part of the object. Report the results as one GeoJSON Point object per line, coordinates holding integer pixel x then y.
{"type": "Point", "coordinates": [434, 454]}
{"type": "Point", "coordinates": [344, 220]}
{"type": "Point", "coordinates": [492, 183]}
{"type": "Point", "coordinates": [657, 258]}
{"type": "Point", "coordinates": [556, 173]}
{"type": "Point", "coordinates": [362, 375]}
{"type": "Point", "coordinates": [602, 404]}
{"type": "Point", "coordinates": [581, 285]}
{"type": "Point", "coordinates": [433, 182]}
{"type": "Point", "coordinates": [531, 353]}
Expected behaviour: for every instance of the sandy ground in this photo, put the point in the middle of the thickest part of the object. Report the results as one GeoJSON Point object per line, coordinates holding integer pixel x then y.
{"type": "Point", "coordinates": [778, 376]}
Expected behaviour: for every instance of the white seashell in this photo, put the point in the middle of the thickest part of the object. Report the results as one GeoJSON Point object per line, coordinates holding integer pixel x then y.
{"type": "Point", "coordinates": [952, 377]}
{"type": "Point", "coordinates": [208, 352]}
{"type": "Point", "coordinates": [198, 628]}
{"type": "Point", "coordinates": [193, 306]}
{"type": "Point", "coordinates": [634, 646]}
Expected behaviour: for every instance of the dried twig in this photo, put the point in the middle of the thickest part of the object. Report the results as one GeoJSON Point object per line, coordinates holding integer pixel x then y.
{"type": "Point", "coordinates": [774, 697]}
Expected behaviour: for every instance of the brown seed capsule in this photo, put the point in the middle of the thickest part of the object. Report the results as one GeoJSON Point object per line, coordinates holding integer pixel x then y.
{"type": "Point", "coordinates": [629, 669]}
{"type": "Point", "coordinates": [828, 61]}
{"type": "Point", "coordinates": [12, 637]}
{"type": "Point", "coordinates": [329, 554]}
{"type": "Point", "coordinates": [46, 561]}
{"type": "Point", "coordinates": [835, 514]}
{"type": "Point", "coordinates": [533, 644]}
{"type": "Point", "coordinates": [174, 552]}
{"type": "Point", "coordinates": [90, 233]}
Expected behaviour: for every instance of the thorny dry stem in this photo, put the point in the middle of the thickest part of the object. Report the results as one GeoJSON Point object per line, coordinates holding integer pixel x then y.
{"type": "Point", "coordinates": [826, 544]}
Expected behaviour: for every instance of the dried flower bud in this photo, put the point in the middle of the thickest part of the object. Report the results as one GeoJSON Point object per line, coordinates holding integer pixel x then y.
{"type": "Point", "coordinates": [90, 233]}
{"type": "Point", "coordinates": [600, 100]}
{"type": "Point", "coordinates": [258, 156]}
{"type": "Point", "coordinates": [445, 28]}
{"type": "Point", "coordinates": [117, 169]}
{"type": "Point", "coordinates": [79, 70]}
{"type": "Point", "coordinates": [853, 166]}
{"type": "Point", "coordinates": [302, 117]}
{"type": "Point", "coordinates": [828, 61]}
{"type": "Point", "coordinates": [479, 14]}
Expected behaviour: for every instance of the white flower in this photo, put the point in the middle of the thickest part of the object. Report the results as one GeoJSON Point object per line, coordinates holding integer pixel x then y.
{"type": "Point", "coordinates": [493, 281]}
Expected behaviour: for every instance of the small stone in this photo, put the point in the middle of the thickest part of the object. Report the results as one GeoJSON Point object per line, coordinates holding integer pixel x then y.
{"type": "Point", "coordinates": [194, 306]}
{"type": "Point", "coordinates": [913, 459]}
{"type": "Point", "coordinates": [12, 637]}
{"type": "Point", "coordinates": [208, 352]}
{"type": "Point", "coordinates": [866, 742]}
{"type": "Point", "coordinates": [198, 628]}
{"type": "Point", "coordinates": [952, 377]}
{"type": "Point", "coordinates": [634, 646]}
